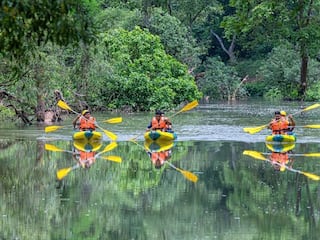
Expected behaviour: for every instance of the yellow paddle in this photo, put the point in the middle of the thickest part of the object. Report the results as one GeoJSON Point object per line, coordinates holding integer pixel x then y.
{"type": "Point", "coordinates": [312, 126]}
{"type": "Point", "coordinates": [258, 155]}
{"type": "Point", "coordinates": [65, 171]}
{"type": "Point", "coordinates": [65, 106]}
{"type": "Point", "coordinates": [113, 120]}
{"type": "Point", "coordinates": [188, 175]}
{"type": "Point", "coordinates": [187, 107]}
{"type": "Point", "coordinates": [253, 130]}
{"type": "Point", "coordinates": [54, 148]}
{"type": "Point", "coordinates": [112, 158]}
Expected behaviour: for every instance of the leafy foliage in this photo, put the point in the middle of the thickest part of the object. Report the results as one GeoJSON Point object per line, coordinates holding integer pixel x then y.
{"type": "Point", "coordinates": [148, 78]}
{"type": "Point", "coordinates": [29, 23]}
{"type": "Point", "coordinates": [220, 81]}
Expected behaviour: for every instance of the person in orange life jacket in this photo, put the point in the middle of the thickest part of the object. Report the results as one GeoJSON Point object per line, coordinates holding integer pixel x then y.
{"type": "Point", "coordinates": [278, 125]}
{"type": "Point", "coordinates": [85, 159]}
{"type": "Point", "coordinates": [168, 123]}
{"type": "Point", "coordinates": [290, 119]}
{"type": "Point", "coordinates": [158, 158]}
{"type": "Point", "coordinates": [159, 122]}
{"type": "Point", "coordinates": [279, 160]}
{"type": "Point", "coordinates": [85, 121]}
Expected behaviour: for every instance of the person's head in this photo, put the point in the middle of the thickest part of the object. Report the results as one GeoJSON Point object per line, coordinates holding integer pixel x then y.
{"type": "Point", "coordinates": [158, 164]}
{"type": "Point", "coordinates": [277, 115]}
{"type": "Point", "coordinates": [158, 114]}
{"type": "Point", "coordinates": [85, 112]}
{"type": "Point", "coordinates": [283, 113]}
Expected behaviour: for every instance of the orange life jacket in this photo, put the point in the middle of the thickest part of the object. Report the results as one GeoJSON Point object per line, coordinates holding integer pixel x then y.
{"type": "Point", "coordinates": [86, 158]}
{"type": "Point", "coordinates": [158, 125]}
{"type": "Point", "coordinates": [281, 158]}
{"type": "Point", "coordinates": [162, 156]}
{"type": "Point", "coordinates": [87, 124]}
{"type": "Point", "coordinates": [279, 126]}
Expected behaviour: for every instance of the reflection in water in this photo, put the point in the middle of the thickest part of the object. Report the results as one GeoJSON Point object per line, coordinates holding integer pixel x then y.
{"type": "Point", "coordinates": [280, 158]}
{"type": "Point", "coordinates": [159, 151]}
{"type": "Point", "coordinates": [236, 197]}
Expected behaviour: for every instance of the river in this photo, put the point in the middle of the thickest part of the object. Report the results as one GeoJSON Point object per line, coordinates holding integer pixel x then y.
{"type": "Point", "coordinates": [236, 196]}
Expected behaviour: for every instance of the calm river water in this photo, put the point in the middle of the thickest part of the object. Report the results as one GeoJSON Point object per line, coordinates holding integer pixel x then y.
{"type": "Point", "coordinates": [236, 196]}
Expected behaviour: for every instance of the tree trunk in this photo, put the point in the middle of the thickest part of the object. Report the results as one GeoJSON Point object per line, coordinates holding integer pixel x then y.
{"type": "Point", "coordinates": [303, 76]}
{"type": "Point", "coordinates": [40, 109]}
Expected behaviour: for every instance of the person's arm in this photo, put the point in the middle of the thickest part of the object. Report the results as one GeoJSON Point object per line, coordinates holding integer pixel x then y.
{"type": "Point", "coordinates": [292, 123]}
{"type": "Point", "coordinates": [74, 122]}
{"type": "Point", "coordinates": [149, 126]}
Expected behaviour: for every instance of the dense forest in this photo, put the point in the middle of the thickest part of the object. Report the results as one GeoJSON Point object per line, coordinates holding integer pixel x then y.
{"type": "Point", "coordinates": [140, 55]}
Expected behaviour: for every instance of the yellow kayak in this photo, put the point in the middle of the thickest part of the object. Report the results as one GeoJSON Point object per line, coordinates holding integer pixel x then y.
{"type": "Point", "coordinates": [281, 138]}
{"type": "Point", "coordinates": [159, 135]}
{"type": "Point", "coordinates": [87, 135]}
{"type": "Point", "coordinates": [280, 147]}
{"type": "Point", "coordinates": [87, 146]}
{"type": "Point", "coordinates": [158, 145]}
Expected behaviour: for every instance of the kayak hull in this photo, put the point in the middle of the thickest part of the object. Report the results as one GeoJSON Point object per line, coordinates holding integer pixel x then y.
{"type": "Point", "coordinates": [158, 145]}
{"type": "Point", "coordinates": [280, 147]}
{"type": "Point", "coordinates": [281, 138]}
{"type": "Point", "coordinates": [159, 135]}
{"type": "Point", "coordinates": [87, 146]}
{"type": "Point", "coordinates": [87, 135]}
{"type": "Point", "coordinates": [87, 141]}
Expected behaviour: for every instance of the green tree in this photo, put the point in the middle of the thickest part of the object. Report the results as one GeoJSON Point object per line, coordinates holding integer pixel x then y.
{"type": "Point", "coordinates": [296, 21]}
{"type": "Point", "coordinates": [27, 24]}
{"type": "Point", "coordinates": [27, 27]}
{"type": "Point", "coordinates": [147, 77]}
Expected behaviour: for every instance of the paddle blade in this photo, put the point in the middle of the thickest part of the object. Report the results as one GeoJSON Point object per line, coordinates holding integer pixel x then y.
{"type": "Point", "coordinates": [64, 105]}
{"type": "Point", "coordinates": [189, 106]}
{"type": "Point", "coordinates": [52, 128]}
{"type": "Point", "coordinates": [113, 158]}
{"type": "Point", "coordinates": [51, 147]}
{"type": "Point", "coordinates": [312, 176]}
{"type": "Point", "coordinates": [113, 120]}
{"type": "Point", "coordinates": [189, 175]}
{"type": "Point", "coordinates": [312, 154]}
{"type": "Point", "coordinates": [254, 154]}
{"type": "Point", "coordinates": [254, 130]}
{"type": "Point", "coordinates": [63, 172]}
{"type": "Point", "coordinates": [316, 105]}
{"type": "Point", "coordinates": [312, 126]}
{"type": "Point", "coordinates": [109, 147]}
{"type": "Point", "coordinates": [110, 135]}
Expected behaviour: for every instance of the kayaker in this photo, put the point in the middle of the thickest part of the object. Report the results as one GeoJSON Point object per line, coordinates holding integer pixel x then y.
{"type": "Point", "coordinates": [279, 125]}
{"type": "Point", "coordinates": [280, 160]}
{"type": "Point", "coordinates": [160, 122]}
{"type": "Point", "coordinates": [290, 119]}
{"type": "Point", "coordinates": [85, 159]}
{"type": "Point", "coordinates": [85, 121]}
{"type": "Point", "coordinates": [159, 158]}
{"type": "Point", "coordinates": [168, 123]}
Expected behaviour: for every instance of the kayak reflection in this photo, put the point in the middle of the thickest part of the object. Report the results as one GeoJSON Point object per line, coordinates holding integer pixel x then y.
{"type": "Point", "coordinates": [281, 156]}
{"type": "Point", "coordinates": [159, 151]}
{"type": "Point", "coordinates": [85, 151]}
